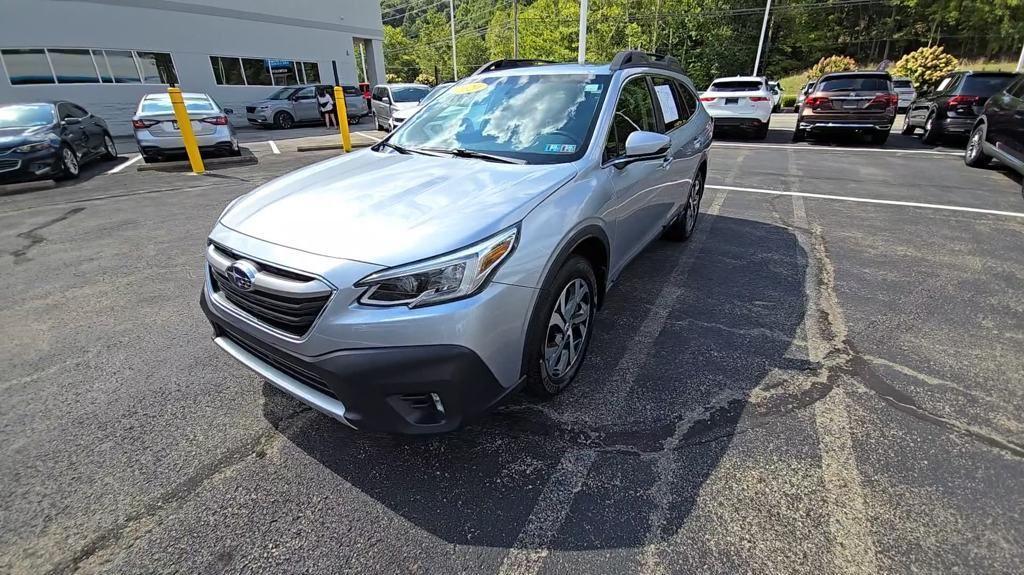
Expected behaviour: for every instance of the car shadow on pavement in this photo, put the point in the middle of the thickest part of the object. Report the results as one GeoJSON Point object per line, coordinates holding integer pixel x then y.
{"type": "Point", "coordinates": [684, 338]}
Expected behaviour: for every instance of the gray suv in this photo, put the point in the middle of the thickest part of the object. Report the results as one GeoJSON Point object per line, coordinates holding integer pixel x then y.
{"type": "Point", "coordinates": [413, 285]}
{"type": "Point", "coordinates": [293, 105]}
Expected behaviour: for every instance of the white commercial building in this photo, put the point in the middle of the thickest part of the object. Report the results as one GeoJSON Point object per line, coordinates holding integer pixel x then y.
{"type": "Point", "coordinates": [106, 54]}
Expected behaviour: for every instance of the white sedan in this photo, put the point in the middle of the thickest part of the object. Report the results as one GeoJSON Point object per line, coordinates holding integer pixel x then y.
{"type": "Point", "coordinates": [741, 102]}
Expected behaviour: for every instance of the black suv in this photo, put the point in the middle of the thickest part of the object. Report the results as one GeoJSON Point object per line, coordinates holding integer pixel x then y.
{"type": "Point", "coordinates": [999, 132]}
{"type": "Point", "coordinates": [953, 106]}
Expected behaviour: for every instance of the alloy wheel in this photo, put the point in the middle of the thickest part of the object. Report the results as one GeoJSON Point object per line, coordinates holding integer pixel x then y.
{"type": "Point", "coordinates": [70, 161]}
{"type": "Point", "coordinates": [109, 146]}
{"type": "Point", "coordinates": [974, 145]}
{"type": "Point", "coordinates": [567, 328]}
{"type": "Point", "coordinates": [693, 201]}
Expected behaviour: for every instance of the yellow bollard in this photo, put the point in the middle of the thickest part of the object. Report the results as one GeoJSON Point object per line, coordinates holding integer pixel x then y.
{"type": "Point", "coordinates": [339, 99]}
{"type": "Point", "coordinates": [185, 125]}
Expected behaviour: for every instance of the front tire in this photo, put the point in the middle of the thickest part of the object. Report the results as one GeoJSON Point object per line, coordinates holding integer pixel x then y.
{"type": "Point", "coordinates": [683, 225]}
{"type": "Point", "coordinates": [69, 166]}
{"type": "Point", "coordinates": [974, 155]}
{"type": "Point", "coordinates": [283, 120]}
{"type": "Point", "coordinates": [560, 330]}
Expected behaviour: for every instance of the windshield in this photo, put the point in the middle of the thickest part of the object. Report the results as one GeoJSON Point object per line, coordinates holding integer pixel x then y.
{"type": "Point", "coordinates": [984, 85]}
{"type": "Point", "coordinates": [736, 86]}
{"type": "Point", "coordinates": [437, 91]}
{"type": "Point", "coordinates": [281, 94]}
{"type": "Point", "coordinates": [26, 115]}
{"type": "Point", "coordinates": [409, 93]}
{"type": "Point", "coordinates": [538, 118]}
{"type": "Point", "coordinates": [164, 106]}
{"type": "Point", "coordinates": [854, 84]}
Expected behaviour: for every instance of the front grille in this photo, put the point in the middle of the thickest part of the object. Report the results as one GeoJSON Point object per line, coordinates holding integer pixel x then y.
{"type": "Point", "coordinates": [292, 369]}
{"type": "Point", "coordinates": [292, 314]}
{"type": "Point", "coordinates": [250, 109]}
{"type": "Point", "coordinates": [7, 165]}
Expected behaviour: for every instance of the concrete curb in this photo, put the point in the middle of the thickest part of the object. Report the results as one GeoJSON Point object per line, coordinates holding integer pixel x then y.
{"type": "Point", "coordinates": [322, 147]}
{"type": "Point", "coordinates": [246, 159]}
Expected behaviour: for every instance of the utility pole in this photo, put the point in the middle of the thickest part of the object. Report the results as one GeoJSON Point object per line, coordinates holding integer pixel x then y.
{"type": "Point", "coordinates": [764, 28]}
{"type": "Point", "coordinates": [455, 67]}
{"type": "Point", "coordinates": [583, 31]}
{"type": "Point", "coordinates": [515, 28]}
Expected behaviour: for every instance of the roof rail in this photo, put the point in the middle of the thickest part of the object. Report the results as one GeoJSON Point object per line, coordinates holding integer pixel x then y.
{"type": "Point", "coordinates": [637, 59]}
{"type": "Point", "coordinates": [509, 63]}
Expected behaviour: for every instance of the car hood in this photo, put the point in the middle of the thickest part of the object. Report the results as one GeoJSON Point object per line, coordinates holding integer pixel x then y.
{"type": "Point", "coordinates": [16, 136]}
{"type": "Point", "coordinates": [389, 209]}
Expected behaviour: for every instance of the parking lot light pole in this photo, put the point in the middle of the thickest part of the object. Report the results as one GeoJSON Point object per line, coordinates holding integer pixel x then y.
{"type": "Point", "coordinates": [1020, 61]}
{"type": "Point", "coordinates": [346, 138]}
{"type": "Point", "coordinates": [455, 67]}
{"type": "Point", "coordinates": [760, 45]}
{"type": "Point", "coordinates": [185, 126]}
{"type": "Point", "coordinates": [583, 31]}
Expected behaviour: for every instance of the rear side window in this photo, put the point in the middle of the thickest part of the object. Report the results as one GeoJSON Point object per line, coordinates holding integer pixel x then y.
{"type": "Point", "coordinates": [689, 98]}
{"type": "Point", "coordinates": [736, 86]}
{"type": "Point", "coordinates": [985, 85]}
{"type": "Point", "coordinates": [854, 84]}
{"type": "Point", "coordinates": [673, 109]}
{"type": "Point", "coordinates": [901, 84]}
{"type": "Point", "coordinates": [634, 112]}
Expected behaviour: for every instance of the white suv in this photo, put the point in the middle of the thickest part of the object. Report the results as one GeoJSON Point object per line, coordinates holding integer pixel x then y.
{"type": "Point", "coordinates": [741, 102]}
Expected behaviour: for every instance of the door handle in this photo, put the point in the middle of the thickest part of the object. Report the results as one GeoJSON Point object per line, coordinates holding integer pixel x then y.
{"type": "Point", "coordinates": [667, 162]}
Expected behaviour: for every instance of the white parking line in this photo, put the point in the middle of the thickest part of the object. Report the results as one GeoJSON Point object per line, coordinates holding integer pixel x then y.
{"type": "Point", "coordinates": [374, 138]}
{"type": "Point", "coordinates": [273, 147]}
{"type": "Point", "coordinates": [871, 201]}
{"type": "Point", "coordinates": [832, 149]}
{"type": "Point", "coordinates": [123, 165]}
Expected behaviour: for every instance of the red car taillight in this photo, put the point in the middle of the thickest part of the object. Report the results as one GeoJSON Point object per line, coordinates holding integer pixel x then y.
{"type": "Point", "coordinates": [758, 99]}
{"type": "Point", "coordinates": [216, 120]}
{"type": "Point", "coordinates": [707, 98]}
{"type": "Point", "coordinates": [143, 124]}
{"type": "Point", "coordinates": [885, 100]}
{"type": "Point", "coordinates": [957, 101]}
{"type": "Point", "coordinates": [818, 103]}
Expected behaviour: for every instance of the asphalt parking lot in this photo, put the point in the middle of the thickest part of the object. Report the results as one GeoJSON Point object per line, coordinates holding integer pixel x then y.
{"type": "Point", "coordinates": [826, 379]}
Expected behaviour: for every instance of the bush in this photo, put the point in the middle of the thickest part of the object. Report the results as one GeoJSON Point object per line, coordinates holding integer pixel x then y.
{"type": "Point", "coordinates": [925, 66]}
{"type": "Point", "coordinates": [392, 78]}
{"type": "Point", "coordinates": [425, 79]}
{"type": "Point", "coordinates": [831, 64]}
{"type": "Point", "coordinates": [788, 101]}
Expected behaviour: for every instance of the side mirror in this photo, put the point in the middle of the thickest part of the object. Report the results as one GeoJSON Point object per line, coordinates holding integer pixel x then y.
{"type": "Point", "coordinates": [72, 121]}
{"type": "Point", "coordinates": [229, 111]}
{"type": "Point", "coordinates": [641, 143]}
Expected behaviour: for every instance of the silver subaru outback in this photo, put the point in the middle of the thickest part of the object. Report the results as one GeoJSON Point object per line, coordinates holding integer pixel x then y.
{"type": "Point", "coordinates": [414, 285]}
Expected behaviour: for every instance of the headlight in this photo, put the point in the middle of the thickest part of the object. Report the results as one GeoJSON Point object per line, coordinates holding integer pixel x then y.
{"type": "Point", "coordinates": [34, 147]}
{"type": "Point", "coordinates": [445, 278]}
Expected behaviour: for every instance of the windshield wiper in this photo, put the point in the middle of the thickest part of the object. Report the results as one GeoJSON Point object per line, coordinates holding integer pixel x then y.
{"type": "Point", "coordinates": [464, 153]}
{"type": "Point", "coordinates": [404, 150]}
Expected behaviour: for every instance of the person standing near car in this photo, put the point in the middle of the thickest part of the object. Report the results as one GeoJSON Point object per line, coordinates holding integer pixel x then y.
{"type": "Point", "coordinates": [326, 103]}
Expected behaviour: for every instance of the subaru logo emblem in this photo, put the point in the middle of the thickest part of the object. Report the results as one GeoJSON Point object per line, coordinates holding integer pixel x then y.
{"type": "Point", "coordinates": [242, 274]}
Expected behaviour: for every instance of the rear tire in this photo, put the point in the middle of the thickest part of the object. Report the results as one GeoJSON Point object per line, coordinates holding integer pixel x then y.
{"type": "Point", "coordinates": [974, 155]}
{"type": "Point", "coordinates": [879, 138]}
{"type": "Point", "coordinates": [109, 148]}
{"type": "Point", "coordinates": [799, 135]}
{"type": "Point", "coordinates": [683, 225]}
{"type": "Point", "coordinates": [148, 159]}
{"type": "Point", "coordinates": [761, 132]}
{"type": "Point", "coordinates": [560, 329]}
{"type": "Point", "coordinates": [932, 133]}
{"type": "Point", "coordinates": [283, 120]}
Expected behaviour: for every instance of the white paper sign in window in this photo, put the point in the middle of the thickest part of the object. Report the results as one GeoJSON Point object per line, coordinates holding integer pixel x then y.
{"type": "Point", "coordinates": [668, 103]}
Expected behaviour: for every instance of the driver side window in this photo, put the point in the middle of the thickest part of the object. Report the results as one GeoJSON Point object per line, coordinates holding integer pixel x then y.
{"type": "Point", "coordinates": [633, 112]}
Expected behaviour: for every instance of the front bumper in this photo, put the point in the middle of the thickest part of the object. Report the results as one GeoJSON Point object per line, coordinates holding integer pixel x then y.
{"type": "Point", "coordinates": [408, 389]}
{"type": "Point", "coordinates": [21, 167]}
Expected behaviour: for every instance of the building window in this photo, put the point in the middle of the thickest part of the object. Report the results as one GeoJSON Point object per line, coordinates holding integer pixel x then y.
{"type": "Point", "coordinates": [157, 68]}
{"type": "Point", "coordinates": [227, 71]}
{"type": "Point", "coordinates": [27, 67]}
{"type": "Point", "coordinates": [232, 71]}
{"type": "Point", "coordinates": [74, 66]}
{"type": "Point", "coordinates": [83, 66]}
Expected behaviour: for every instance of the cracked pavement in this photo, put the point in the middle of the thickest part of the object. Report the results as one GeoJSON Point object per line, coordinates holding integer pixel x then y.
{"type": "Point", "coordinates": [807, 386]}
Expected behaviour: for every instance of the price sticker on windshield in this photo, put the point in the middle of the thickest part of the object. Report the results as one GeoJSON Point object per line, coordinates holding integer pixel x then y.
{"type": "Point", "coordinates": [469, 88]}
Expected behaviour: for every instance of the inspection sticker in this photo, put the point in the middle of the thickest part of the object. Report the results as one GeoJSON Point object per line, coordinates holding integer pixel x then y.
{"type": "Point", "coordinates": [560, 148]}
{"type": "Point", "coordinates": [593, 88]}
{"type": "Point", "coordinates": [469, 88]}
